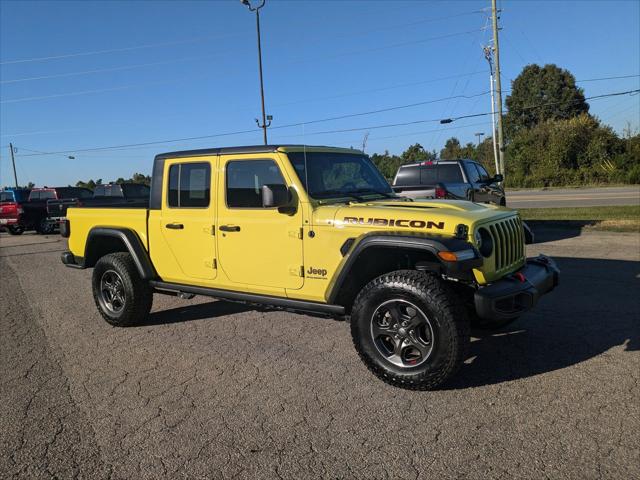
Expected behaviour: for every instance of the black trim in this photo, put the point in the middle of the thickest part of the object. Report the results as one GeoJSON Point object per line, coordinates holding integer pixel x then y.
{"type": "Point", "coordinates": [278, 302]}
{"type": "Point", "coordinates": [132, 243]}
{"type": "Point", "coordinates": [71, 261]}
{"type": "Point", "coordinates": [511, 296]}
{"type": "Point", "coordinates": [412, 241]}
{"type": "Point", "coordinates": [65, 228]}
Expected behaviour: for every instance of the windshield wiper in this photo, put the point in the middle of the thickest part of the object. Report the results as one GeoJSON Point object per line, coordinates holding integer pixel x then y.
{"type": "Point", "coordinates": [325, 194]}
{"type": "Point", "coordinates": [376, 192]}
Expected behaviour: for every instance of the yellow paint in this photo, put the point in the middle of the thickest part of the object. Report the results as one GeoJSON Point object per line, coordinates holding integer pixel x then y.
{"type": "Point", "coordinates": [270, 252]}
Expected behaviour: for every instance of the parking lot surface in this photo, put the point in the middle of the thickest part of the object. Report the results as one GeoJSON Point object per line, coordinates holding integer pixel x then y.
{"type": "Point", "coordinates": [211, 389]}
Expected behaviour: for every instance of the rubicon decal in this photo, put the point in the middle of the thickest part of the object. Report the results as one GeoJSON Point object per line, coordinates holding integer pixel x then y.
{"type": "Point", "coordinates": [384, 222]}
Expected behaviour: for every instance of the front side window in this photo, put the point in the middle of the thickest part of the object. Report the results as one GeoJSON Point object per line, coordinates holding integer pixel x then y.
{"type": "Point", "coordinates": [472, 172]}
{"type": "Point", "coordinates": [245, 179]}
{"type": "Point", "coordinates": [484, 176]}
{"type": "Point", "coordinates": [189, 185]}
{"type": "Point", "coordinates": [331, 175]}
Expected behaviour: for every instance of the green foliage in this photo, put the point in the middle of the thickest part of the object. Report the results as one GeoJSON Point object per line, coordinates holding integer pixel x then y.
{"type": "Point", "coordinates": [544, 93]}
{"type": "Point", "coordinates": [136, 178]}
{"type": "Point", "coordinates": [389, 164]}
{"type": "Point", "coordinates": [576, 151]}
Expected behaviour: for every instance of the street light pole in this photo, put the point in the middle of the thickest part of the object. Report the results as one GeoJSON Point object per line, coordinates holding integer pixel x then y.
{"type": "Point", "coordinates": [479, 135]}
{"type": "Point", "coordinates": [265, 118]}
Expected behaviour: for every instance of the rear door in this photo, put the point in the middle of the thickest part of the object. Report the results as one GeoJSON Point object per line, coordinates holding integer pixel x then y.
{"type": "Point", "coordinates": [187, 219]}
{"type": "Point", "coordinates": [257, 246]}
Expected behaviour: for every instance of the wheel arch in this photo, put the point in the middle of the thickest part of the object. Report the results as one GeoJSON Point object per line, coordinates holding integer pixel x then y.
{"type": "Point", "coordinates": [102, 241]}
{"type": "Point", "coordinates": [376, 254]}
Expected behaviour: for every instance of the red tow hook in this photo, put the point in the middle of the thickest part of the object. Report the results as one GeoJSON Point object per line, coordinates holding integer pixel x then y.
{"type": "Point", "coordinates": [520, 276]}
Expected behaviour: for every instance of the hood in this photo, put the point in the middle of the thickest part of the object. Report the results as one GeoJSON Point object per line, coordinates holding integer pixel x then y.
{"type": "Point", "coordinates": [434, 216]}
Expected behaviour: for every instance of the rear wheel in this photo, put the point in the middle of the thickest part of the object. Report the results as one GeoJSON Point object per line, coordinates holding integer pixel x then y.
{"type": "Point", "coordinates": [16, 230]}
{"type": "Point", "coordinates": [410, 330]}
{"type": "Point", "coordinates": [122, 297]}
{"type": "Point", "coordinates": [44, 227]}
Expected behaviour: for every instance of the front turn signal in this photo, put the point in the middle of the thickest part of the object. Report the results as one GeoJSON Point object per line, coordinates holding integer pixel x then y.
{"type": "Point", "coordinates": [457, 256]}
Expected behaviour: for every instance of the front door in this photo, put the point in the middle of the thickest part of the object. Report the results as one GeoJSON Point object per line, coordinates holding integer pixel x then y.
{"type": "Point", "coordinates": [257, 246]}
{"type": "Point", "coordinates": [187, 218]}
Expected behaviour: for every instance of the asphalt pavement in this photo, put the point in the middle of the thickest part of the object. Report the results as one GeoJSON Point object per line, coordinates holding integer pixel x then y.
{"type": "Point", "coordinates": [574, 197]}
{"type": "Point", "coordinates": [210, 389]}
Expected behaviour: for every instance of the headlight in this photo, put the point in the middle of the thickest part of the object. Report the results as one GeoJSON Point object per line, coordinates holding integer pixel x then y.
{"type": "Point", "coordinates": [478, 239]}
{"type": "Point", "coordinates": [485, 244]}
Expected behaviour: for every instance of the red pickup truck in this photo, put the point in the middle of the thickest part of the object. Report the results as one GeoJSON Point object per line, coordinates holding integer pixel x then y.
{"type": "Point", "coordinates": [12, 215]}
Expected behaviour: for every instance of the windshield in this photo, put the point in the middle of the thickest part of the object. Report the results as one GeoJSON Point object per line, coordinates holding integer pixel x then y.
{"type": "Point", "coordinates": [6, 196]}
{"type": "Point", "coordinates": [332, 175]}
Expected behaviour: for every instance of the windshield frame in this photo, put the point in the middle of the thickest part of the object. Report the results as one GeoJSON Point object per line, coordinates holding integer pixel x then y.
{"type": "Point", "coordinates": [382, 190]}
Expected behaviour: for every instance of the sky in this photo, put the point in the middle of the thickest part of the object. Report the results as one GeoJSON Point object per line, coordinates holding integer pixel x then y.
{"type": "Point", "coordinates": [81, 75]}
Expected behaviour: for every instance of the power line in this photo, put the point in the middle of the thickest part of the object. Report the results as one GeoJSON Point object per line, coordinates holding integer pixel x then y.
{"type": "Point", "coordinates": [104, 70]}
{"type": "Point", "coordinates": [371, 127]}
{"type": "Point", "coordinates": [123, 49]}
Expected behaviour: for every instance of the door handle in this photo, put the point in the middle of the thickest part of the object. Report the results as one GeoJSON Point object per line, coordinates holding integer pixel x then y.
{"type": "Point", "coordinates": [229, 228]}
{"type": "Point", "coordinates": [175, 226]}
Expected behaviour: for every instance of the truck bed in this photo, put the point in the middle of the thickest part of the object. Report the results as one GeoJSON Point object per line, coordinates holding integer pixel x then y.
{"type": "Point", "coordinates": [84, 219]}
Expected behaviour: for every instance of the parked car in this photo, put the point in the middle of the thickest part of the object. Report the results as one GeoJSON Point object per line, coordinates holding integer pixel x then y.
{"type": "Point", "coordinates": [314, 230]}
{"type": "Point", "coordinates": [12, 218]}
{"type": "Point", "coordinates": [111, 194]}
{"type": "Point", "coordinates": [36, 213]}
{"type": "Point", "coordinates": [453, 179]}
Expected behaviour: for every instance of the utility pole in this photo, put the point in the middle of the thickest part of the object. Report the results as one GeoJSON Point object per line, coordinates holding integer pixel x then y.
{"type": "Point", "coordinates": [265, 117]}
{"type": "Point", "coordinates": [13, 161]}
{"type": "Point", "coordinates": [487, 55]}
{"type": "Point", "coordinates": [496, 47]}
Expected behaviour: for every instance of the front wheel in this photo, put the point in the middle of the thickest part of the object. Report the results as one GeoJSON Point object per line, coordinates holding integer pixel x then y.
{"type": "Point", "coordinates": [16, 230]}
{"type": "Point", "coordinates": [410, 329]}
{"type": "Point", "coordinates": [122, 297]}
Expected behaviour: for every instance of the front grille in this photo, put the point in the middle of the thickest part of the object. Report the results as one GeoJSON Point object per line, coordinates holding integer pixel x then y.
{"type": "Point", "coordinates": [508, 241]}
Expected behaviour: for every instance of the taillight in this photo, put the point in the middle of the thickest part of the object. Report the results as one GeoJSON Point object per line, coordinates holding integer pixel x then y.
{"type": "Point", "coordinates": [441, 192]}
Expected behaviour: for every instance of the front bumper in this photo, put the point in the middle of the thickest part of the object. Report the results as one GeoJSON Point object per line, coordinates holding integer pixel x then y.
{"type": "Point", "coordinates": [511, 296]}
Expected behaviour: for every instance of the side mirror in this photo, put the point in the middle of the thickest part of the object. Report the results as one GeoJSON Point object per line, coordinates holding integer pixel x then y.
{"type": "Point", "coordinates": [497, 178]}
{"type": "Point", "coordinates": [275, 196]}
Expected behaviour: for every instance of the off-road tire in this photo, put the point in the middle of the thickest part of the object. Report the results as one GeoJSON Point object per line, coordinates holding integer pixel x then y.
{"type": "Point", "coordinates": [444, 310]}
{"type": "Point", "coordinates": [15, 230]}
{"type": "Point", "coordinates": [138, 294]}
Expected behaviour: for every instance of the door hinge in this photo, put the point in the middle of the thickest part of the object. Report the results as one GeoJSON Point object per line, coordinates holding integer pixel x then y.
{"type": "Point", "coordinates": [215, 264]}
{"type": "Point", "coordinates": [296, 272]}
{"type": "Point", "coordinates": [301, 234]}
{"type": "Point", "coordinates": [213, 229]}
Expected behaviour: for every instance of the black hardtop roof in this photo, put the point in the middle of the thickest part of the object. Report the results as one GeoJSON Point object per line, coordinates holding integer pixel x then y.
{"type": "Point", "coordinates": [240, 150]}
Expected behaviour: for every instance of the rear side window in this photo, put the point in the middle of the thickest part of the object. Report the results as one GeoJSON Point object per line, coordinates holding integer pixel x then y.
{"type": "Point", "coordinates": [449, 173]}
{"type": "Point", "coordinates": [189, 185]}
{"type": "Point", "coordinates": [245, 179]}
{"type": "Point", "coordinates": [409, 175]}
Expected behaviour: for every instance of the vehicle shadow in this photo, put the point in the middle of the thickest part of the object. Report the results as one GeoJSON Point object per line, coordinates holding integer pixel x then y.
{"type": "Point", "coordinates": [593, 310]}
{"type": "Point", "coordinates": [550, 230]}
{"type": "Point", "coordinates": [200, 311]}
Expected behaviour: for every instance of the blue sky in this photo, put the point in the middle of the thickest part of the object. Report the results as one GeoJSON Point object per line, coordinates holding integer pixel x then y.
{"type": "Point", "coordinates": [144, 71]}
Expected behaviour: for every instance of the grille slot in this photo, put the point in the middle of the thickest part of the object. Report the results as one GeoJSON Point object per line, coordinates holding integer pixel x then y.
{"type": "Point", "coordinates": [508, 240]}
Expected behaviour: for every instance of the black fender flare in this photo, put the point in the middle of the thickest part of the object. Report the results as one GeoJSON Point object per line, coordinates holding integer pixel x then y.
{"type": "Point", "coordinates": [129, 239]}
{"type": "Point", "coordinates": [354, 248]}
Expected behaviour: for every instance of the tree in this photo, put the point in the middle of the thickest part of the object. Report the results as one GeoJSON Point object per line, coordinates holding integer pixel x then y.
{"type": "Point", "coordinates": [417, 153]}
{"type": "Point", "coordinates": [451, 150]}
{"type": "Point", "coordinates": [544, 93]}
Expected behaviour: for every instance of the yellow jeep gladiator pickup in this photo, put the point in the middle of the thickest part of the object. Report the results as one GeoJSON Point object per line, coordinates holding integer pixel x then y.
{"type": "Point", "coordinates": [315, 230]}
